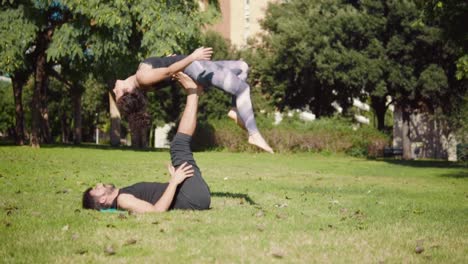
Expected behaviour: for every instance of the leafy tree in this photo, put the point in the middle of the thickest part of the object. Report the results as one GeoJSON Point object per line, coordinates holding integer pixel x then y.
{"type": "Point", "coordinates": [321, 51]}
{"type": "Point", "coordinates": [303, 51]}
{"type": "Point", "coordinates": [15, 55]}
{"type": "Point", "coordinates": [119, 34]}
{"type": "Point", "coordinates": [318, 52]}
{"type": "Point", "coordinates": [7, 108]}
{"type": "Point", "coordinates": [39, 20]}
{"type": "Point", "coordinates": [105, 38]}
{"type": "Point", "coordinates": [451, 17]}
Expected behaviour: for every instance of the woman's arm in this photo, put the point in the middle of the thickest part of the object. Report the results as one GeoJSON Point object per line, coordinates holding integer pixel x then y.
{"type": "Point", "coordinates": [147, 76]}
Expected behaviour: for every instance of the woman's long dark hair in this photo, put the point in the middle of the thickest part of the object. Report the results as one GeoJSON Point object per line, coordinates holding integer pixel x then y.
{"type": "Point", "coordinates": [132, 106]}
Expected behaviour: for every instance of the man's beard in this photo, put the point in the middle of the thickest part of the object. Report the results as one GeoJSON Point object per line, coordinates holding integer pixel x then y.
{"type": "Point", "coordinates": [109, 188]}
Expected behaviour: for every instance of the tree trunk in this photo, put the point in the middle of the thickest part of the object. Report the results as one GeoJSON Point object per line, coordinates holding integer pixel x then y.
{"type": "Point", "coordinates": [379, 105]}
{"type": "Point", "coordinates": [135, 138]}
{"type": "Point", "coordinates": [115, 122]}
{"type": "Point", "coordinates": [65, 129]}
{"type": "Point", "coordinates": [406, 140]}
{"type": "Point", "coordinates": [346, 106]}
{"type": "Point", "coordinates": [76, 95]}
{"type": "Point", "coordinates": [45, 125]}
{"type": "Point", "coordinates": [317, 104]}
{"type": "Point", "coordinates": [18, 81]}
{"type": "Point", "coordinates": [145, 137]}
{"type": "Point", "coordinates": [140, 137]}
{"type": "Point", "coordinates": [36, 100]}
{"type": "Point", "coordinates": [40, 77]}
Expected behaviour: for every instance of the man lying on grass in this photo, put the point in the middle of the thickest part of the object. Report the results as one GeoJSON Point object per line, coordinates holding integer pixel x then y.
{"type": "Point", "coordinates": [186, 188]}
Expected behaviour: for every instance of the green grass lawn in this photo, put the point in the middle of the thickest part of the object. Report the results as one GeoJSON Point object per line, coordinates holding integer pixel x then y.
{"type": "Point", "coordinates": [292, 208]}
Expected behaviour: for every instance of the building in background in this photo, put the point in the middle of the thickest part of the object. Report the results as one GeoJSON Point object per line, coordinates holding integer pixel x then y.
{"type": "Point", "coordinates": [427, 136]}
{"type": "Point", "coordinates": [240, 19]}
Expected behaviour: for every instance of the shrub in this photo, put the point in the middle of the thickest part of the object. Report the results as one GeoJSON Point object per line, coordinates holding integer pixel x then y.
{"type": "Point", "coordinates": [205, 137]}
{"type": "Point", "coordinates": [462, 152]}
{"type": "Point", "coordinates": [376, 147]}
{"type": "Point", "coordinates": [7, 108]}
{"type": "Point", "coordinates": [331, 135]}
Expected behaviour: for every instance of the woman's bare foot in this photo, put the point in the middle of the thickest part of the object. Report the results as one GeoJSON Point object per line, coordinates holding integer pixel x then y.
{"type": "Point", "coordinates": [257, 140]}
{"type": "Point", "coordinates": [235, 116]}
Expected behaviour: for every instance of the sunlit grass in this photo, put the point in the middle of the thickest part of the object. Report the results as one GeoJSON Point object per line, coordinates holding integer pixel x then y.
{"type": "Point", "coordinates": [292, 208]}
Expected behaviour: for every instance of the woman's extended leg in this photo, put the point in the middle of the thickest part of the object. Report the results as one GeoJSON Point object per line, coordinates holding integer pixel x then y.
{"type": "Point", "coordinates": [209, 73]}
{"type": "Point", "coordinates": [241, 69]}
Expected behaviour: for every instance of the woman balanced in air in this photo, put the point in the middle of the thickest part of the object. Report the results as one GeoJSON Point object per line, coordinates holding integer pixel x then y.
{"type": "Point", "coordinates": [230, 76]}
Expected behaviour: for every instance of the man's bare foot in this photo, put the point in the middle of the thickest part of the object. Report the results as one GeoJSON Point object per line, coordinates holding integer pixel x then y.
{"type": "Point", "coordinates": [235, 116]}
{"type": "Point", "coordinates": [257, 140]}
{"type": "Point", "coordinates": [188, 83]}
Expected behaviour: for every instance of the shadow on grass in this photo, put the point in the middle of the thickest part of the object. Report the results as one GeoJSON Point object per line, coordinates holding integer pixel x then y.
{"type": "Point", "coordinates": [426, 163]}
{"type": "Point", "coordinates": [234, 195]}
{"type": "Point", "coordinates": [101, 147]}
{"type": "Point", "coordinates": [456, 175]}
{"type": "Point", "coordinates": [85, 146]}
{"type": "Point", "coordinates": [9, 143]}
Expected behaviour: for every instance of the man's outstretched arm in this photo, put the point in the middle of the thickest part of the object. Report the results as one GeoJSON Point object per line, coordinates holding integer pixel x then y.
{"type": "Point", "coordinates": [133, 204]}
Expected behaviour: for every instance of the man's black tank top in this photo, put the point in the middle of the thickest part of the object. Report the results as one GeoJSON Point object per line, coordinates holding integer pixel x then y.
{"type": "Point", "coordinates": [163, 62]}
{"type": "Point", "coordinates": [146, 191]}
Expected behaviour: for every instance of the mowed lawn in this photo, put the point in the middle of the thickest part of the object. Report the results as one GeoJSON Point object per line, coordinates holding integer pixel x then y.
{"type": "Point", "coordinates": [291, 208]}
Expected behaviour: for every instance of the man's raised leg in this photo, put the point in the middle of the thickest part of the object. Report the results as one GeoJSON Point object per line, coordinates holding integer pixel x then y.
{"type": "Point", "coordinates": [193, 193]}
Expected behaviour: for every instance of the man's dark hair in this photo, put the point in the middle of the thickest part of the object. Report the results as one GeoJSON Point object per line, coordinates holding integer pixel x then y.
{"type": "Point", "coordinates": [89, 202]}
{"type": "Point", "coordinates": [133, 107]}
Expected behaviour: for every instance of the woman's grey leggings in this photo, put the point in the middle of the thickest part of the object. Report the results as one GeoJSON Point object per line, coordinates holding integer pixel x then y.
{"type": "Point", "coordinates": [229, 76]}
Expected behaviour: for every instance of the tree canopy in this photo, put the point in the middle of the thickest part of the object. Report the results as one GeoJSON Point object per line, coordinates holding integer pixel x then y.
{"type": "Point", "coordinates": [317, 52]}
{"type": "Point", "coordinates": [105, 39]}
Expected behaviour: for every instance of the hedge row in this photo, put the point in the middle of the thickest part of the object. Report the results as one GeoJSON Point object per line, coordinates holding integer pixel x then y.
{"type": "Point", "coordinates": [335, 135]}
